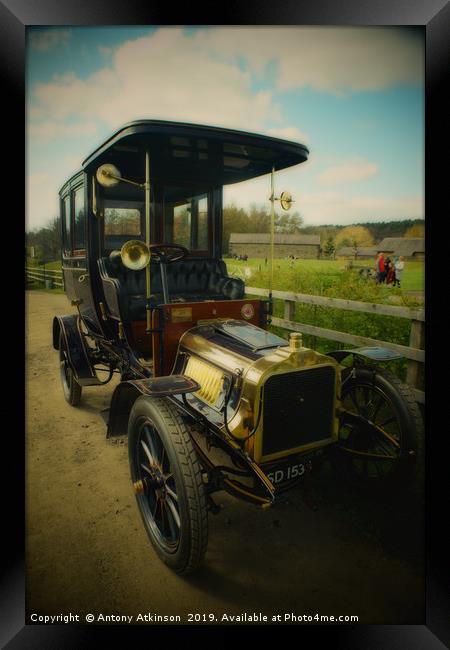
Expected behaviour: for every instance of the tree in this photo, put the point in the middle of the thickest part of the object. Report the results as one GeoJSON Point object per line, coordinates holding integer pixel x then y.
{"type": "Point", "coordinates": [288, 223]}
{"type": "Point", "coordinates": [234, 220]}
{"type": "Point", "coordinates": [46, 241]}
{"type": "Point", "coordinates": [329, 248]}
{"type": "Point", "coordinates": [417, 230]}
{"type": "Point", "coordinates": [258, 218]}
{"type": "Point", "coordinates": [354, 236]}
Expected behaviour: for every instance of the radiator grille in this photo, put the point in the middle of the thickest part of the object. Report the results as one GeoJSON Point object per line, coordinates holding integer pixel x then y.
{"type": "Point", "coordinates": [298, 408]}
{"type": "Point", "coordinates": [209, 378]}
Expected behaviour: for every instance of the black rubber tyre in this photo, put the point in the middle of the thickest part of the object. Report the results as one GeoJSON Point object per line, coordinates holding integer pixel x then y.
{"type": "Point", "coordinates": [71, 388]}
{"type": "Point", "coordinates": [381, 417]}
{"type": "Point", "coordinates": [167, 480]}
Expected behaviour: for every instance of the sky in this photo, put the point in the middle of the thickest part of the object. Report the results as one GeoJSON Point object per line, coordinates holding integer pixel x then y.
{"type": "Point", "coordinates": [353, 95]}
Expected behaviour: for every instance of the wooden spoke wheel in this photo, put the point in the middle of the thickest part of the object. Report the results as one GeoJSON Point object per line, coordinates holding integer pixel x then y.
{"type": "Point", "coordinates": [381, 429]}
{"type": "Point", "coordinates": [167, 480]}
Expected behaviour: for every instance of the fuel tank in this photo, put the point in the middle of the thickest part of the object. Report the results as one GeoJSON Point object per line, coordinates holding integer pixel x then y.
{"type": "Point", "coordinates": [276, 397]}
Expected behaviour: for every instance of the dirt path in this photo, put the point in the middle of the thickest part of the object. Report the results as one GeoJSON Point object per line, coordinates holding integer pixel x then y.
{"type": "Point", "coordinates": [87, 551]}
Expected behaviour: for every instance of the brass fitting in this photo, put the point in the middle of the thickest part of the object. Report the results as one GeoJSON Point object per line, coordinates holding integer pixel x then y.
{"type": "Point", "coordinates": [295, 341]}
{"type": "Point", "coordinates": [138, 487]}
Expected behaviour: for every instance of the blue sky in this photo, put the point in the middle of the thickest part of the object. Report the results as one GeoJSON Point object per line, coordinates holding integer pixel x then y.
{"type": "Point", "coordinates": [353, 95]}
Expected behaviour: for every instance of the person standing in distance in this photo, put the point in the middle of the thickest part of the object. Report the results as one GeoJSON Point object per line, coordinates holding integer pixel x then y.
{"type": "Point", "coordinates": [380, 268]}
{"type": "Point", "coordinates": [399, 268]}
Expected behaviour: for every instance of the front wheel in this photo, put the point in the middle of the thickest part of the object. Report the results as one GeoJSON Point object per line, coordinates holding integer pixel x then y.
{"type": "Point", "coordinates": [167, 480]}
{"type": "Point", "coordinates": [381, 430]}
{"type": "Point", "coordinates": [71, 388]}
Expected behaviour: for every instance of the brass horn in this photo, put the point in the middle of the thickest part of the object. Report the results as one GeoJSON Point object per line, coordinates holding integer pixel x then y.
{"type": "Point", "coordinates": [135, 254]}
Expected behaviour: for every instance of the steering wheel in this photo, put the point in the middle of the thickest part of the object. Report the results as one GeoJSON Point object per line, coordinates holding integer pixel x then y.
{"type": "Point", "coordinates": [167, 253]}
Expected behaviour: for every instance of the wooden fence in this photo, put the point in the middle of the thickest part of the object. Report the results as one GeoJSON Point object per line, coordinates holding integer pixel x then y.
{"type": "Point", "coordinates": [414, 353]}
{"type": "Point", "coordinates": [47, 277]}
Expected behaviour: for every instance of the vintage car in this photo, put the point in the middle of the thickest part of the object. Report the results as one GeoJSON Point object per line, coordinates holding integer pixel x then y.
{"type": "Point", "coordinates": [209, 398]}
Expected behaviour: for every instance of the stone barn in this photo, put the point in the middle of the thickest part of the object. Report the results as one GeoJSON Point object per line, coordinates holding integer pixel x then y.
{"type": "Point", "coordinates": [258, 245]}
{"type": "Point", "coordinates": [411, 249]}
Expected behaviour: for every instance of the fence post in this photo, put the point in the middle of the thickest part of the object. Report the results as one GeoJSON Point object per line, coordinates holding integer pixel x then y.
{"type": "Point", "coordinates": [289, 310]}
{"type": "Point", "coordinates": [416, 340]}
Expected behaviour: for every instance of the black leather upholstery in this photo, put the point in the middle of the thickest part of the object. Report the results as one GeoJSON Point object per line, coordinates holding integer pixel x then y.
{"type": "Point", "coordinates": [190, 280]}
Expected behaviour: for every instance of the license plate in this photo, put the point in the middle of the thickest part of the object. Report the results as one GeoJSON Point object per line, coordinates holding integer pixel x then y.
{"type": "Point", "coordinates": [289, 472]}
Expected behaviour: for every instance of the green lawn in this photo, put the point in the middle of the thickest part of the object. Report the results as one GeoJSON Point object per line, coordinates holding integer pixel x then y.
{"type": "Point", "coordinates": [286, 272]}
{"type": "Point", "coordinates": [331, 278]}
{"type": "Point", "coordinates": [51, 266]}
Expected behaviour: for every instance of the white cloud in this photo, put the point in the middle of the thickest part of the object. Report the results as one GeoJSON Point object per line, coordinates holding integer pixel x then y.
{"type": "Point", "coordinates": [34, 112]}
{"type": "Point", "coordinates": [252, 191]}
{"type": "Point", "coordinates": [350, 171]}
{"type": "Point", "coordinates": [165, 75]}
{"type": "Point", "coordinates": [331, 59]}
{"type": "Point", "coordinates": [208, 77]}
{"type": "Point", "coordinates": [41, 200]}
{"type": "Point", "coordinates": [289, 133]}
{"type": "Point", "coordinates": [340, 208]}
{"type": "Point", "coordinates": [45, 131]}
{"type": "Point", "coordinates": [327, 206]}
{"type": "Point", "coordinates": [48, 39]}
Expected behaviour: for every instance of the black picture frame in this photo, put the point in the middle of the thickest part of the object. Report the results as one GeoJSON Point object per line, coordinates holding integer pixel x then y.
{"type": "Point", "coordinates": [434, 17]}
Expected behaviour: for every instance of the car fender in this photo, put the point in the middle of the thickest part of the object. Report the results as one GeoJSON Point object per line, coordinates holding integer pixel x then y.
{"type": "Point", "coordinates": [366, 353]}
{"type": "Point", "coordinates": [77, 352]}
{"type": "Point", "coordinates": [127, 392]}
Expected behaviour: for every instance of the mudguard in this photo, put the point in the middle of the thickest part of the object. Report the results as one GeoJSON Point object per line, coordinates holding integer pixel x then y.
{"type": "Point", "coordinates": [127, 392]}
{"type": "Point", "coordinates": [371, 353]}
{"type": "Point", "coordinates": [77, 353]}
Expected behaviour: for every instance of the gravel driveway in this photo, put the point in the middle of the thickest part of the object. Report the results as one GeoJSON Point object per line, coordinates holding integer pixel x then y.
{"type": "Point", "coordinates": [87, 550]}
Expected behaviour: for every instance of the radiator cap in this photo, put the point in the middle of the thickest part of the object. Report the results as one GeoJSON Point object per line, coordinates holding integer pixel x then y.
{"type": "Point", "coordinates": [295, 341]}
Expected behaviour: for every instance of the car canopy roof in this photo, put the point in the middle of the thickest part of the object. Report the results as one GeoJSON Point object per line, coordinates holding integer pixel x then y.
{"type": "Point", "coordinates": [195, 152]}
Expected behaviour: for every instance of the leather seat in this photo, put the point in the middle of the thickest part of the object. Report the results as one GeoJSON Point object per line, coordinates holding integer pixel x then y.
{"type": "Point", "coordinates": [189, 280]}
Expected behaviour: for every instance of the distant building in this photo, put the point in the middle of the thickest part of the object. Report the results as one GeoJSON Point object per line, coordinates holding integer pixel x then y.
{"type": "Point", "coordinates": [258, 245]}
{"type": "Point", "coordinates": [362, 252]}
{"type": "Point", "coordinates": [412, 249]}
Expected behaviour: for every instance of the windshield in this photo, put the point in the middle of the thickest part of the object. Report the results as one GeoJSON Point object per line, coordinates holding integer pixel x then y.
{"type": "Point", "coordinates": [186, 218]}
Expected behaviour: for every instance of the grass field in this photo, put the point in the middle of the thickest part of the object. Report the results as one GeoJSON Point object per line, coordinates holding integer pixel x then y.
{"type": "Point", "coordinates": [331, 278]}
{"type": "Point", "coordinates": [286, 272]}
{"type": "Point", "coordinates": [51, 266]}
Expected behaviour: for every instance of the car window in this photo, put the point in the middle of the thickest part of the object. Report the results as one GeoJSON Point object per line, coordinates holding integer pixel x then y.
{"type": "Point", "coordinates": [79, 228]}
{"type": "Point", "coordinates": [186, 219]}
{"type": "Point", "coordinates": [67, 237]}
{"type": "Point", "coordinates": [122, 221]}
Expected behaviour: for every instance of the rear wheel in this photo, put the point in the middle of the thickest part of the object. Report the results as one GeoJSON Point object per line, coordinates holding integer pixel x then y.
{"type": "Point", "coordinates": [71, 388]}
{"type": "Point", "coordinates": [167, 481]}
{"type": "Point", "coordinates": [381, 430]}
